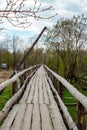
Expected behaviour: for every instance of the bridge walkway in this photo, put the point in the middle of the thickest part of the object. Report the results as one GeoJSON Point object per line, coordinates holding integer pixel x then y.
{"type": "Point", "coordinates": [37, 109]}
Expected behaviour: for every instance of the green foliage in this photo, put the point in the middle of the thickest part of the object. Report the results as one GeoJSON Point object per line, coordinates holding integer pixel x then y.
{"type": "Point", "coordinates": [61, 67]}
{"type": "Point", "coordinates": [52, 60]}
{"type": "Point", "coordinates": [36, 57]}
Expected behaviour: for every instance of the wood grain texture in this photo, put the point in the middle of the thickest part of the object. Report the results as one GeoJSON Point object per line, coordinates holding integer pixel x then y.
{"type": "Point", "coordinates": [19, 118]}
{"type": "Point", "coordinates": [45, 117]}
{"type": "Point", "coordinates": [36, 124]}
{"type": "Point", "coordinates": [10, 118]}
{"type": "Point", "coordinates": [26, 125]}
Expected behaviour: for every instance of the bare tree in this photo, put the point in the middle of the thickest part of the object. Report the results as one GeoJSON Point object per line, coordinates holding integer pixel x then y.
{"type": "Point", "coordinates": [18, 14]}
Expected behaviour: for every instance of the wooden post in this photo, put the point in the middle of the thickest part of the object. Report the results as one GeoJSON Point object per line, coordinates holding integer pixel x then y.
{"type": "Point", "coordinates": [54, 80]}
{"type": "Point", "coordinates": [14, 87]}
{"type": "Point", "coordinates": [81, 117]}
{"type": "Point", "coordinates": [61, 90]}
{"type": "Point", "coordinates": [25, 75]}
{"type": "Point", "coordinates": [22, 80]}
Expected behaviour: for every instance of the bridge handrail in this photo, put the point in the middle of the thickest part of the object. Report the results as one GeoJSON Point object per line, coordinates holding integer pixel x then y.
{"type": "Point", "coordinates": [4, 84]}
{"type": "Point", "coordinates": [13, 100]}
{"type": "Point", "coordinates": [78, 95]}
{"type": "Point", "coordinates": [67, 116]}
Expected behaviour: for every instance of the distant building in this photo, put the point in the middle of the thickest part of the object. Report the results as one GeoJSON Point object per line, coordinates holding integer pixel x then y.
{"type": "Point", "coordinates": [4, 66]}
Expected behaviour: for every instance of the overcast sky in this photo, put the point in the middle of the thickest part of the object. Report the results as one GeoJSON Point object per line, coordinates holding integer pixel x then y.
{"type": "Point", "coordinates": [64, 8]}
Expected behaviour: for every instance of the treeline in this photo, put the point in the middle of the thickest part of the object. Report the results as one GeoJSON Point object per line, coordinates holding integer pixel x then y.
{"type": "Point", "coordinates": [52, 59]}
{"type": "Point", "coordinates": [37, 56]}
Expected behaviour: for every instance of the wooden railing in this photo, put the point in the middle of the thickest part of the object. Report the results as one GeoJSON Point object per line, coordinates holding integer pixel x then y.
{"type": "Point", "coordinates": [81, 99]}
{"type": "Point", "coordinates": [24, 78]}
{"type": "Point", "coordinates": [14, 80]}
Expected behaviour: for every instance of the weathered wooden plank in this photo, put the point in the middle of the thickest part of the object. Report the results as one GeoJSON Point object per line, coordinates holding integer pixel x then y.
{"type": "Point", "coordinates": [35, 97]}
{"type": "Point", "coordinates": [36, 124]}
{"type": "Point", "coordinates": [30, 97]}
{"type": "Point", "coordinates": [26, 93]}
{"type": "Point", "coordinates": [26, 125]}
{"type": "Point", "coordinates": [10, 118]}
{"type": "Point", "coordinates": [51, 98]}
{"type": "Point", "coordinates": [45, 95]}
{"type": "Point", "coordinates": [19, 117]}
{"type": "Point", "coordinates": [45, 117]}
{"type": "Point", "coordinates": [66, 114]}
{"type": "Point", "coordinates": [40, 90]}
{"type": "Point", "coordinates": [56, 118]}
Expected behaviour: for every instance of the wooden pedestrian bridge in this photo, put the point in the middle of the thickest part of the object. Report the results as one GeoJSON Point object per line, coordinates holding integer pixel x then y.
{"type": "Point", "coordinates": [37, 102]}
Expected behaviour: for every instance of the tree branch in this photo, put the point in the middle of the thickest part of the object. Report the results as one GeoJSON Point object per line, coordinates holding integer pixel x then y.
{"type": "Point", "coordinates": [19, 15]}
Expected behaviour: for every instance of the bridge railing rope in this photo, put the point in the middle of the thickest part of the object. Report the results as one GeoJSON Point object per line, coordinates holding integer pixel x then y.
{"type": "Point", "coordinates": [81, 99]}
{"type": "Point", "coordinates": [24, 76]}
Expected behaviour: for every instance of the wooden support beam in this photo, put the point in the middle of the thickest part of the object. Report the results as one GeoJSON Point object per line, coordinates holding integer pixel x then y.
{"type": "Point", "coordinates": [22, 79]}
{"type": "Point", "coordinates": [14, 87]}
{"type": "Point", "coordinates": [81, 116]}
{"type": "Point", "coordinates": [28, 52]}
{"type": "Point", "coordinates": [61, 90]}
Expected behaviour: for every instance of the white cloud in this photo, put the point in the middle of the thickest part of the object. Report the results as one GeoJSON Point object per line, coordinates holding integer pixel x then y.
{"type": "Point", "coordinates": [69, 8]}
{"type": "Point", "coordinates": [34, 28]}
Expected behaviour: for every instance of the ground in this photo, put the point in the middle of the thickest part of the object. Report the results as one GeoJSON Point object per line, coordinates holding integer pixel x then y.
{"type": "Point", "coordinates": [4, 75]}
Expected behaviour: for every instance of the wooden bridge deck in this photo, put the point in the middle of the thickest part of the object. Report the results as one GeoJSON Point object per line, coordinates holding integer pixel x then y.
{"type": "Point", "coordinates": [37, 109]}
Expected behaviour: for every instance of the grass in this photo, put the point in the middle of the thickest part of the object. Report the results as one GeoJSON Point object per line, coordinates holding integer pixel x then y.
{"type": "Point", "coordinates": [68, 99]}
{"type": "Point", "coordinates": [5, 96]}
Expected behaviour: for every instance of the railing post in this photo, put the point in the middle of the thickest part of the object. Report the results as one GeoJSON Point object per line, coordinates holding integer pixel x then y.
{"type": "Point", "coordinates": [81, 117]}
{"type": "Point", "coordinates": [61, 90]}
{"type": "Point", "coordinates": [54, 80]}
{"type": "Point", "coordinates": [25, 75]}
{"type": "Point", "coordinates": [22, 80]}
{"type": "Point", "coordinates": [14, 87]}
